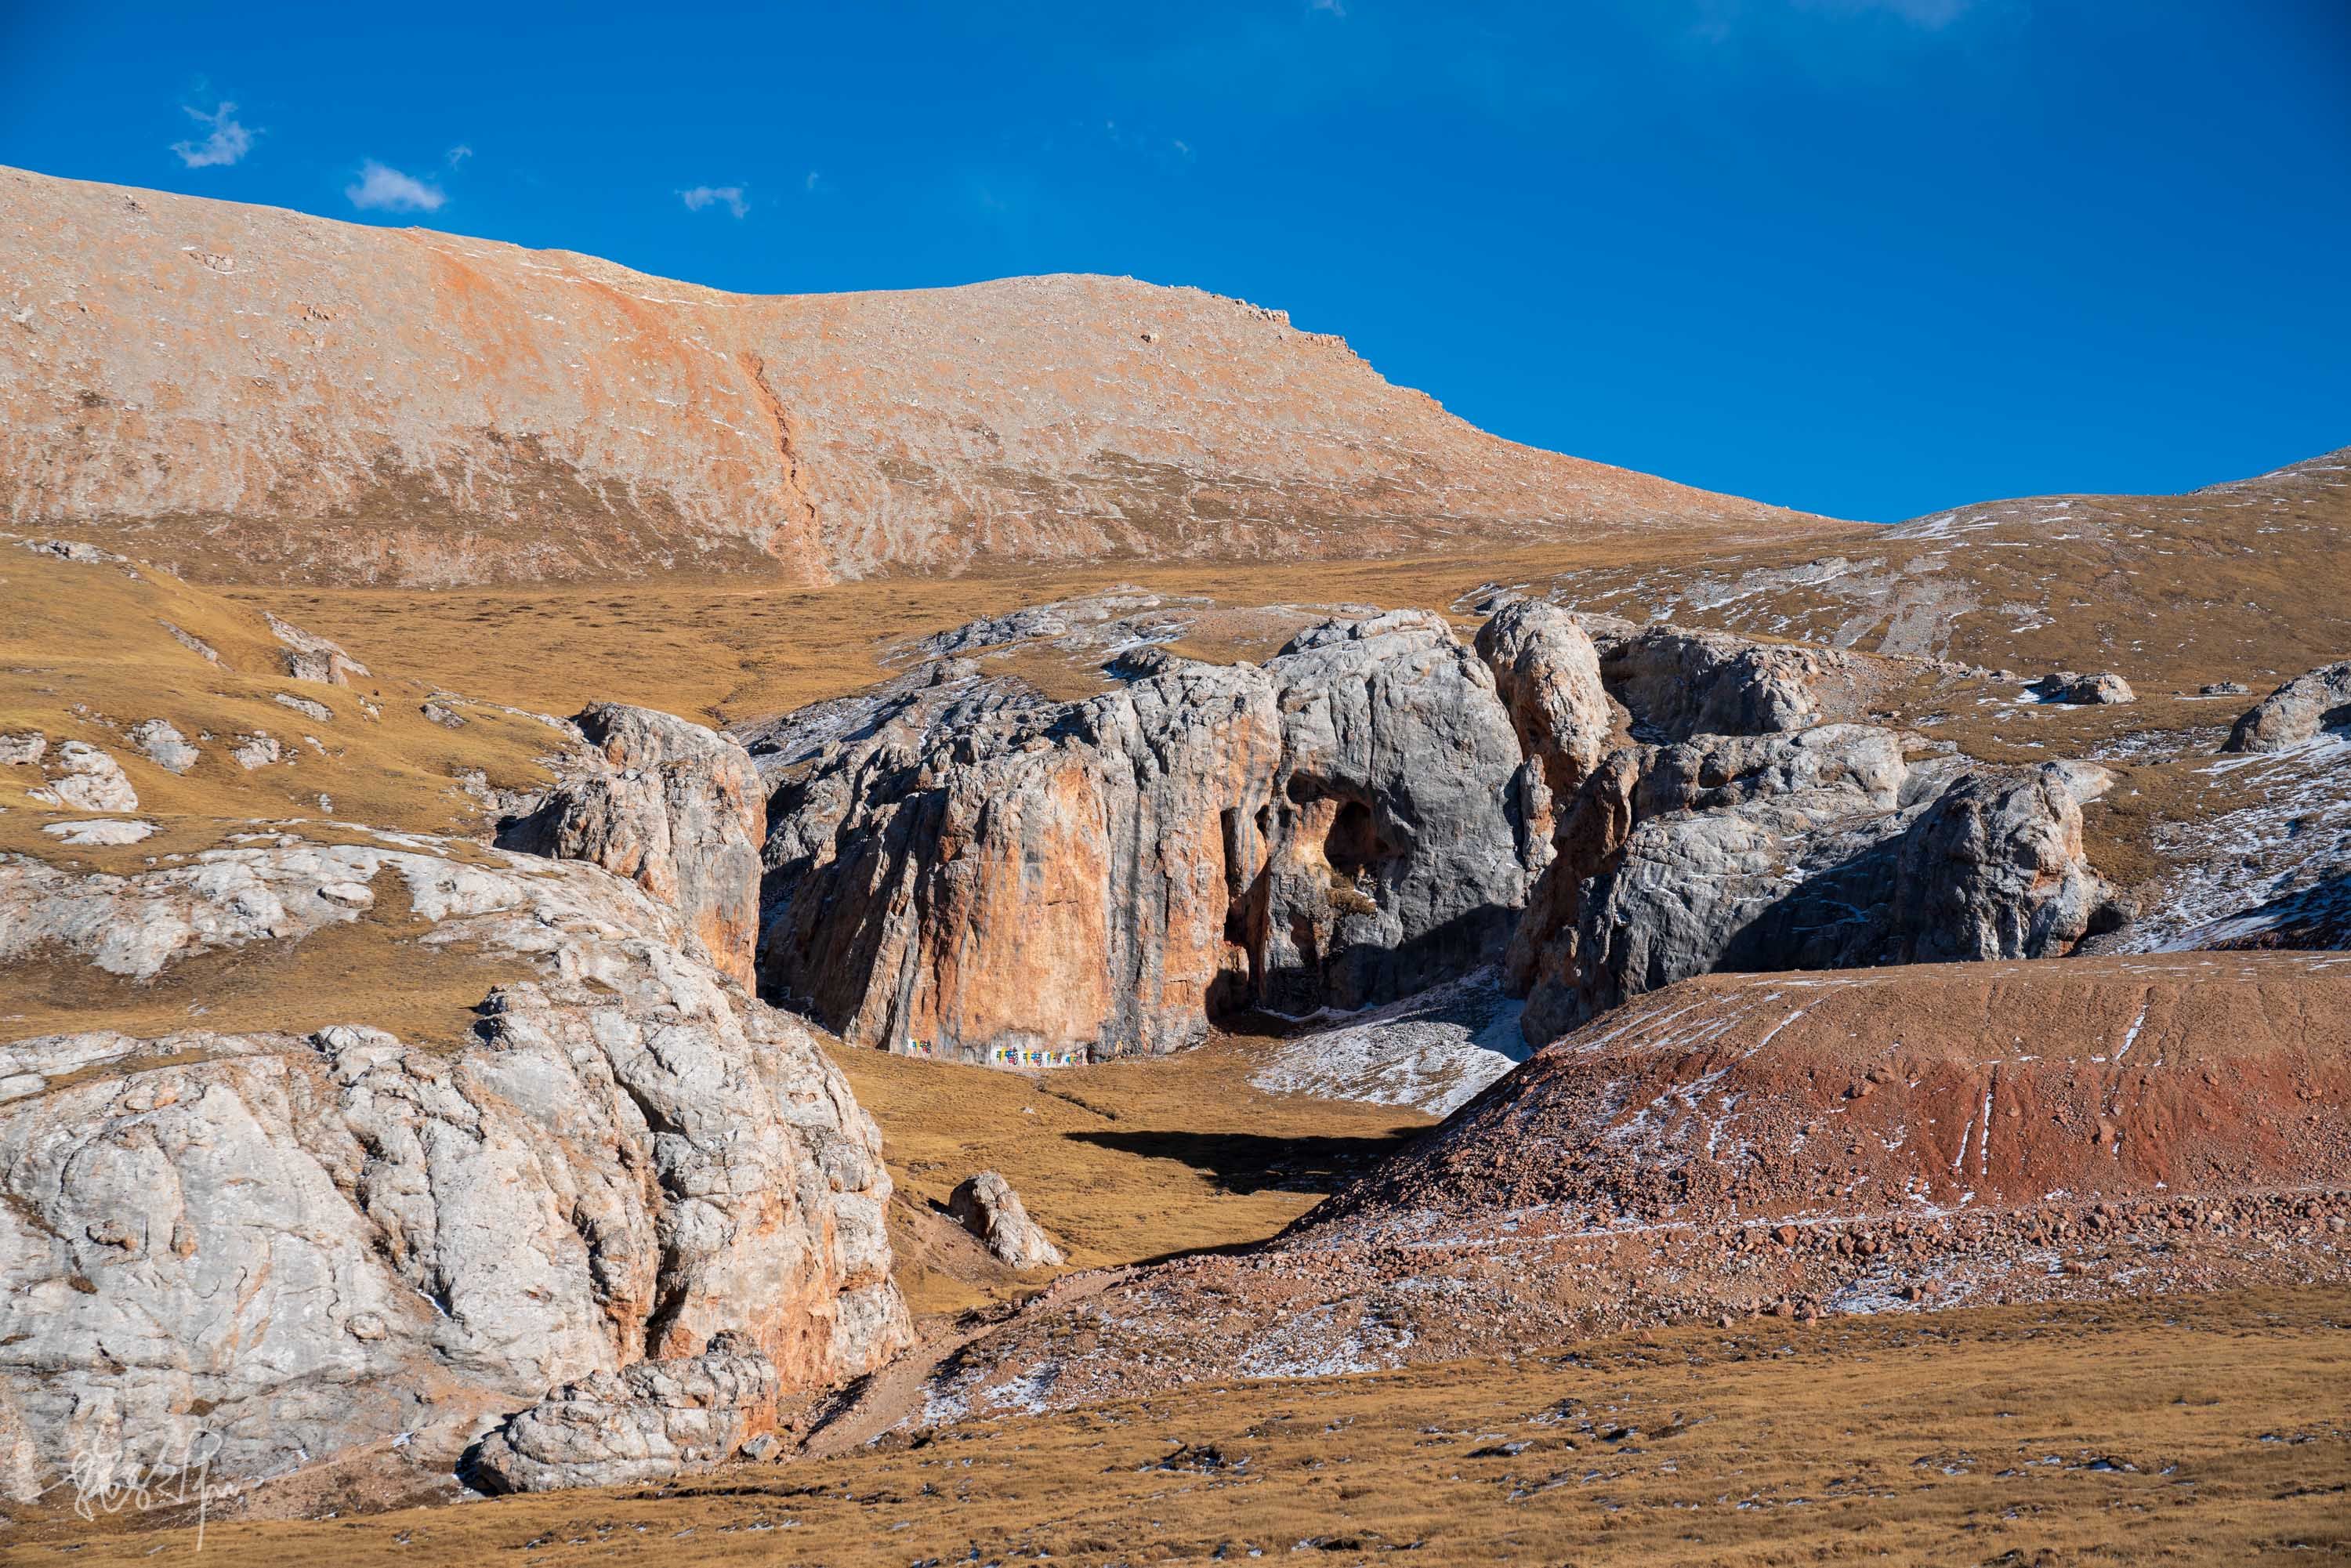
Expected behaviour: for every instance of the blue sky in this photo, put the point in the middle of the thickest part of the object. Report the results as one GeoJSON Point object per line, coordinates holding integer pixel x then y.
{"type": "Point", "coordinates": [1870, 257]}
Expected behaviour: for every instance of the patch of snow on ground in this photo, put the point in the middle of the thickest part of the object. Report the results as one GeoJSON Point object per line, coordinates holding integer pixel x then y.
{"type": "Point", "coordinates": [1433, 1052]}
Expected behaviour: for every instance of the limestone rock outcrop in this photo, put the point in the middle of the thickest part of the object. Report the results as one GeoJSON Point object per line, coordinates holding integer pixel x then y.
{"type": "Point", "coordinates": [310, 657]}
{"type": "Point", "coordinates": [676, 808]}
{"type": "Point", "coordinates": [1817, 850]}
{"type": "Point", "coordinates": [86, 778]}
{"type": "Point", "coordinates": [987, 1206]}
{"type": "Point", "coordinates": [964, 865]}
{"type": "Point", "coordinates": [650, 1421]}
{"type": "Point", "coordinates": [1681, 681]}
{"type": "Point", "coordinates": [1547, 675]}
{"type": "Point", "coordinates": [325, 1239]}
{"type": "Point", "coordinates": [2296, 712]}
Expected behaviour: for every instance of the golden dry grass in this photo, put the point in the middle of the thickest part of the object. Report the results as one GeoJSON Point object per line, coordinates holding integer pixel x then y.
{"type": "Point", "coordinates": [1122, 1162]}
{"type": "Point", "coordinates": [2200, 1430]}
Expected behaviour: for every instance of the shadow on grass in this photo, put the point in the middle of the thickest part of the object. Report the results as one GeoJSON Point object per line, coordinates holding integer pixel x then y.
{"type": "Point", "coordinates": [1252, 1161]}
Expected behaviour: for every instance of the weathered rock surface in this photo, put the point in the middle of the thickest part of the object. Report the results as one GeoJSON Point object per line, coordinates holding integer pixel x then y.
{"type": "Point", "coordinates": [440, 409]}
{"type": "Point", "coordinates": [650, 1421]}
{"type": "Point", "coordinates": [2079, 690]}
{"type": "Point", "coordinates": [301, 1243]}
{"type": "Point", "coordinates": [23, 749]}
{"type": "Point", "coordinates": [970, 866]}
{"type": "Point", "coordinates": [86, 778]}
{"type": "Point", "coordinates": [676, 808]}
{"type": "Point", "coordinates": [1821, 849]}
{"type": "Point", "coordinates": [2296, 712]}
{"type": "Point", "coordinates": [1681, 681]}
{"type": "Point", "coordinates": [1547, 675]}
{"type": "Point", "coordinates": [164, 746]}
{"type": "Point", "coordinates": [310, 657]}
{"type": "Point", "coordinates": [987, 1206]}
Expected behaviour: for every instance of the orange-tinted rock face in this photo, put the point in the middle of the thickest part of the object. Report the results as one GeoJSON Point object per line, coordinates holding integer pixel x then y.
{"type": "Point", "coordinates": [254, 392]}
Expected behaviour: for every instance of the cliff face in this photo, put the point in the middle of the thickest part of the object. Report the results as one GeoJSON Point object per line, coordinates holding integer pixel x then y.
{"type": "Point", "coordinates": [254, 394]}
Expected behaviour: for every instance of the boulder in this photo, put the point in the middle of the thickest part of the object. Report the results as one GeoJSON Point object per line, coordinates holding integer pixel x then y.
{"type": "Point", "coordinates": [1547, 673]}
{"type": "Point", "coordinates": [304, 1242]}
{"type": "Point", "coordinates": [2296, 712]}
{"type": "Point", "coordinates": [24, 748]}
{"type": "Point", "coordinates": [965, 866]}
{"type": "Point", "coordinates": [2079, 690]}
{"type": "Point", "coordinates": [987, 1206]}
{"type": "Point", "coordinates": [309, 657]}
{"type": "Point", "coordinates": [650, 1421]}
{"type": "Point", "coordinates": [164, 746]}
{"type": "Point", "coordinates": [676, 808]}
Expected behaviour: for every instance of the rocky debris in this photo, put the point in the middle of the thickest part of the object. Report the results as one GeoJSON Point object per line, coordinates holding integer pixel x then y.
{"type": "Point", "coordinates": [101, 832]}
{"type": "Point", "coordinates": [651, 1421]}
{"type": "Point", "coordinates": [1795, 1145]}
{"type": "Point", "coordinates": [676, 808]}
{"type": "Point", "coordinates": [1547, 675]}
{"type": "Point", "coordinates": [445, 717]}
{"type": "Point", "coordinates": [2224, 689]}
{"type": "Point", "coordinates": [1117, 618]}
{"type": "Point", "coordinates": [258, 749]}
{"type": "Point", "coordinates": [2079, 690]}
{"type": "Point", "coordinates": [24, 749]}
{"type": "Point", "coordinates": [987, 1206]}
{"type": "Point", "coordinates": [321, 1240]}
{"type": "Point", "coordinates": [1821, 849]}
{"type": "Point", "coordinates": [1679, 681]}
{"type": "Point", "coordinates": [192, 642]}
{"type": "Point", "coordinates": [611, 425]}
{"type": "Point", "coordinates": [309, 707]}
{"type": "Point", "coordinates": [74, 550]}
{"type": "Point", "coordinates": [1435, 1052]}
{"type": "Point", "coordinates": [970, 866]}
{"type": "Point", "coordinates": [86, 778]}
{"type": "Point", "coordinates": [163, 743]}
{"type": "Point", "coordinates": [2296, 712]}
{"type": "Point", "coordinates": [309, 657]}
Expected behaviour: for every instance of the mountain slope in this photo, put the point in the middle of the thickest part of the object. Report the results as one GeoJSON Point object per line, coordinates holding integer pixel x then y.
{"type": "Point", "coordinates": [248, 393]}
{"type": "Point", "coordinates": [2243, 580]}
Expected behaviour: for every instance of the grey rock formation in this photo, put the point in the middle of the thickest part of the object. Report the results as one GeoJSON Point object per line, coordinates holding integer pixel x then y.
{"type": "Point", "coordinates": [309, 657]}
{"type": "Point", "coordinates": [1820, 850]}
{"type": "Point", "coordinates": [2079, 690]}
{"type": "Point", "coordinates": [258, 748]}
{"type": "Point", "coordinates": [24, 749]}
{"type": "Point", "coordinates": [86, 779]}
{"type": "Point", "coordinates": [676, 808]}
{"type": "Point", "coordinates": [164, 746]}
{"type": "Point", "coordinates": [300, 1243]}
{"type": "Point", "coordinates": [1679, 681]}
{"type": "Point", "coordinates": [964, 865]}
{"type": "Point", "coordinates": [650, 1421]}
{"type": "Point", "coordinates": [1547, 673]}
{"type": "Point", "coordinates": [2296, 712]}
{"type": "Point", "coordinates": [987, 1206]}
{"type": "Point", "coordinates": [99, 832]}
{"type": "Point", "coordinates": [309, 707]}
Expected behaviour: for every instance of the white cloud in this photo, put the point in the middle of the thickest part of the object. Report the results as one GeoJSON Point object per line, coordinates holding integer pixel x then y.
{"type": "Point", "coordinates": [459, 154]}
{"type": "Point", "coordinates": [385, 189]}
{"type": "Point", "coordinates": [810, 186]}
{"type": "Point", "coordinates": [1334, 7]}
{"type": "Point", "coordinates": [728, 197]}
{"type": "Point", "coordinates": [228, 141]}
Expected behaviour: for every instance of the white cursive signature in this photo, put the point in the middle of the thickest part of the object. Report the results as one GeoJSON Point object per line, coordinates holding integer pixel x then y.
{"type": "Point", "coordinates": [105, 1479]}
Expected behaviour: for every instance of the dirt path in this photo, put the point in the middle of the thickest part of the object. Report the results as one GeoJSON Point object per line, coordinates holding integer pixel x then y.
{"type": "Point", "coordinates": [892, 1394]}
